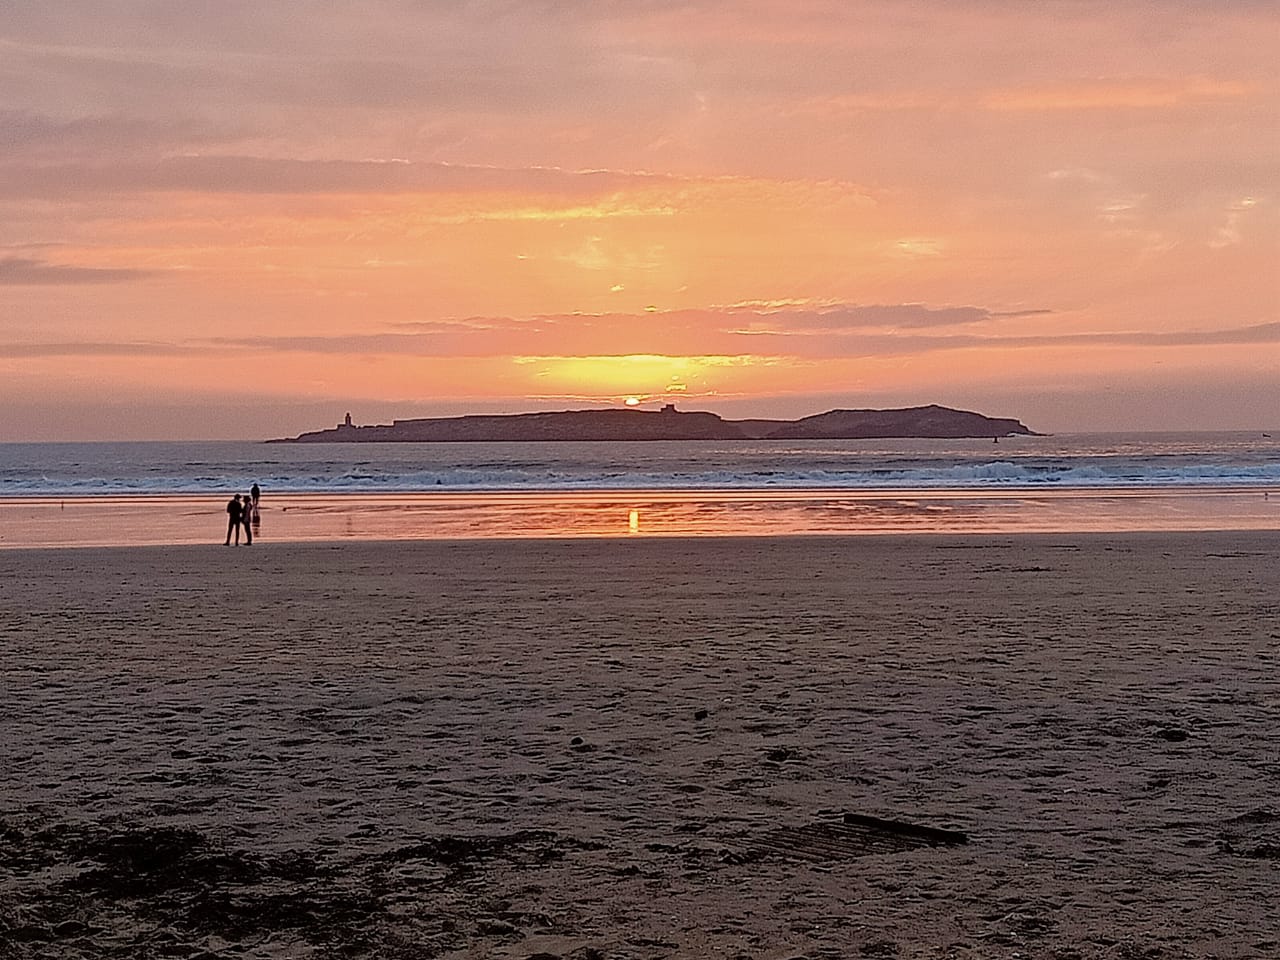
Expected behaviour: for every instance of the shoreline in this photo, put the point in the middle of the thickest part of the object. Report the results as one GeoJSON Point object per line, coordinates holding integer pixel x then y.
{"type": "Point", "coordinates": [154, 520]}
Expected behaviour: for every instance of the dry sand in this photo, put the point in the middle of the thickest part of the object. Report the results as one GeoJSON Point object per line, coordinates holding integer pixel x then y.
{"type": "Point", "coordinates": [619, 749]}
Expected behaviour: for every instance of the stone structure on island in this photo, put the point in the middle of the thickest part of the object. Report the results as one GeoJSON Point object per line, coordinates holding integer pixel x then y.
{"type": "Point", "coordinates": [669, 423]}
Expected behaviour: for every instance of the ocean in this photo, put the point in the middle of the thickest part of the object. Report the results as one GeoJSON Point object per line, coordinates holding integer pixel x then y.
{"type": "Point", "coordinates": [1081, 460]}
{"type": "Point", "coordinates": [150, 492]}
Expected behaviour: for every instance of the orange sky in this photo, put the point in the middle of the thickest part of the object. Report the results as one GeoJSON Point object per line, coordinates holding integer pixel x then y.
{"type": "Point", "coordinates": [242, 220]}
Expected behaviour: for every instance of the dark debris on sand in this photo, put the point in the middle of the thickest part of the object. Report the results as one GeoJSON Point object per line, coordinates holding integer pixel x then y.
{"type": "Point", "coordinates": [1255, 835]}
{"type": "Point", "coordinates": [76, 891]}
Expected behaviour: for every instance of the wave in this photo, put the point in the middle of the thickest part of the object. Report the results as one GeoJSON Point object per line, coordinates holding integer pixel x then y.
{"type": "Point", "coordinates": [497, 476]}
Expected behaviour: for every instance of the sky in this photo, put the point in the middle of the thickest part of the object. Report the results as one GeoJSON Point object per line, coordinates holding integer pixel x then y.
{"type": "Point", "coordinates": [243, 218]}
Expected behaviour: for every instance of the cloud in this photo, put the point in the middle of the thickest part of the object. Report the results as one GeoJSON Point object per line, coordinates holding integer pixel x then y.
{"type": "Point", "coordinates": [534, 58]}
{"type": "Point", "coordinates": [1256, 333]}
{"type": "Point", "coordinates": [1120, 94]}
{"type": "Point", "coordinates": [1230, 233]}
{"type": "Point", "coordinates": [258, 175]}
{"type": "Point", "coordinates": [700, 333]}
{"type": "Point", "coordinates": [24, 271]}
{"type": "Point", "coordinates": [808, 335]}
{"type": "Point", "coordinates": [856, 317]}
{"type": "Point", "coordinates": [36, 136]}
{"type": "Point", "coordinates": [83, 348]}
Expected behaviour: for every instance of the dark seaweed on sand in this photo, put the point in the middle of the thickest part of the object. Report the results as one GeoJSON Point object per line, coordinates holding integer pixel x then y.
{"type": "Point", "coordinates": [106, 890]}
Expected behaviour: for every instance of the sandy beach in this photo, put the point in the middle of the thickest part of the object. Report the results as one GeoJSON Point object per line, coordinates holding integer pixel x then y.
{"type": "Point", "coordinates": [645, 748]}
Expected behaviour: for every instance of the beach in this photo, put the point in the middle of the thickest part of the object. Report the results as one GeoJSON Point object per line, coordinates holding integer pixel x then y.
{"type": "Point", "coordinates": [644, 748]}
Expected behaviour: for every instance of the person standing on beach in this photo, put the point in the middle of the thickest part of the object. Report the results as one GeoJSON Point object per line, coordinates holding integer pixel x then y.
{"type": "Point", "coordinates": [235, 515]}
{"type": "Point", "coordinates": [246, 516]}
{"type": "Point", "coordinates": [254, 493]}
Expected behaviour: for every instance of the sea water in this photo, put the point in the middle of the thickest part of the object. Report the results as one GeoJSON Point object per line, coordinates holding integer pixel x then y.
{"type": "Point", "coordinates": [163, 492]}
{"type": "Point", "coordinates": [1114, 461]}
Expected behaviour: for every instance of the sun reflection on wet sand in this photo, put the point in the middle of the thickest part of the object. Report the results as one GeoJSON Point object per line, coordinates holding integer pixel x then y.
{"type": "Point", "coordinates": [150, 520]}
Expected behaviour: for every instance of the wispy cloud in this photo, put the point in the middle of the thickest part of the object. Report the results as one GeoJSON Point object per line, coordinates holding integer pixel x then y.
{"type": "Point", "coordinates": [40, 137]}
{"type": "Point", "coordinates": [91, 348]}
{"type": "Point", "coordinates": [24, 271]}
{"type": "Point", "coordinates": [250, 175]}
{"type": "Point", "coordinates": [1118, 94]}
{"type": "Point", "coordinates": [582, 336]}
{"type": "Point", "coordinates": [809, 338]}
{"type": "Point", "coordinates": [1230, 233]}
{"type": "Point", "coordinates": [835, 317]}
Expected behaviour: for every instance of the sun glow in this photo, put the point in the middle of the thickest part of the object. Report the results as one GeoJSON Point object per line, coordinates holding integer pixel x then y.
{"type": "Point", "coordinates": [634, 378]}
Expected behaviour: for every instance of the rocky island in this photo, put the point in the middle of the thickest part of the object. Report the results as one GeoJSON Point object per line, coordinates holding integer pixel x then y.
{"type": "Point", "coordinates": [932, 421]}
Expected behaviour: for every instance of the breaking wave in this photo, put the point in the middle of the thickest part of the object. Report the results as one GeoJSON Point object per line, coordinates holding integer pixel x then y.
{"type": "Point", "coordinates": [95, 469]}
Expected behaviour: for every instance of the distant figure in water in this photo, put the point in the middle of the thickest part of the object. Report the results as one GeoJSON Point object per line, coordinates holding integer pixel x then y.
{"type": "Point", "coordinates": [246, 516]}
{"type": "Point", "coordinates": [235, 515]}
{"type": "Point", "coordinates": [255, 493]}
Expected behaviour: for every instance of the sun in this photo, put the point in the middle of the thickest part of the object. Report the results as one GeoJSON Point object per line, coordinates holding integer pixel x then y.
{"type": "Point", "coordinates": [632, 401]}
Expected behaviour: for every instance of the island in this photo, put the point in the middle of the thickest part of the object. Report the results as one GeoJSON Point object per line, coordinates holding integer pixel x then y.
{"type": "Point", "coordinates": [932, 421]}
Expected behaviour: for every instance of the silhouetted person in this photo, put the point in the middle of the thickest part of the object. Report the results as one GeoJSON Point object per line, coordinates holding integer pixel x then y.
{"type": "Point", "coordinates": [255, 493]}
{"type": "Point", "coordinates": [235, 516]}
{"type": "Point", "coordinates": [246, 515]}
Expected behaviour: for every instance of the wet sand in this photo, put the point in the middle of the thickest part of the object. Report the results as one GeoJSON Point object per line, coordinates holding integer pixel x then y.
{"type": "Point", "coordinates": [643, 748]}
{"type": "Point", "coordinates": [191, 519]}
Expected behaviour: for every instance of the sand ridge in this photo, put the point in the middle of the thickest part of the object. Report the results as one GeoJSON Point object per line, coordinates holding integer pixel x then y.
{"type": "Point", "coordinates": [571, 748]}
